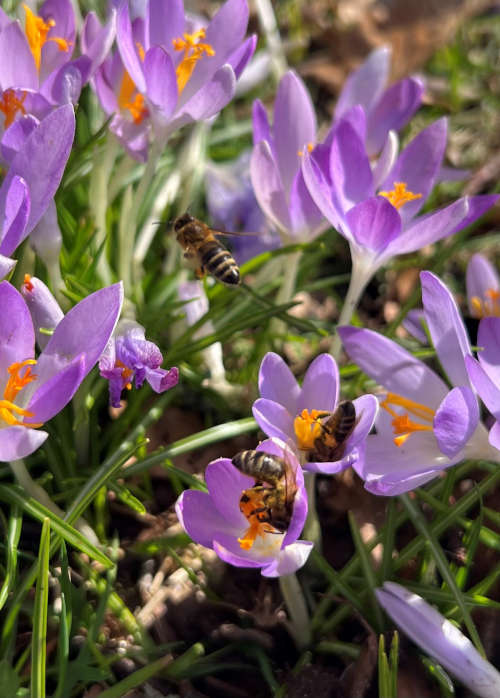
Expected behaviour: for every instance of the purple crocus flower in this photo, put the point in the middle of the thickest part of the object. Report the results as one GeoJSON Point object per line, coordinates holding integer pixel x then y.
{"type": "Point", "coordinates": [128, 357]}
{"type": "Point", "coordinates": [45, 311]}
{"type": "Point", "coordinates": [483, 287]}
{"type": "Point", "coordinates": [168, 75]}
{"type": "Point", "coordinates": [440, 639]}
{"type": "Point", "coordinates": [275, 166]}
{"type": "Point", "coordinates": [424, 427]}
{"type": "Point", "coordinates": [376, 210]}
{"type": "Point", "coordinates": [34, 390]}
{"type": "Point", "coordinates": [232, 206]}
{"type": "Point", "coordinates": [386, 109]}
{"type": "Point", "coordinates": [214, 518]}
{"type": "Point", "coordinates": [294, 414]}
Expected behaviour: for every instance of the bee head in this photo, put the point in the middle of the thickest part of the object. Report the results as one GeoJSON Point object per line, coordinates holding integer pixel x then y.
{"type": "Point", "coordinates": [181, 221]}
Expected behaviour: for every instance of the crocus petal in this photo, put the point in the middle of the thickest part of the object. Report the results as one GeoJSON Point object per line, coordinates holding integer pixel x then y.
{"type": "Point", "coordinates": [456, 420]}
{"type": "Point", "coordinates": [212, 96]}
{"type": "Point", "coordinates": [160, 379]}
{"type": "Point", "coordinates": [494, 435]}
{"type": "Point", "coordinates": [374, 223]}
{"type": "Point", "coordinates": [63, 86]}
{"type": "Point", "coordinates": [127, 48]}
{"type": "Point", "coordinates": [446, 327]}
{"type": "Point", "coordinates": [165, 22]}
{"type": "Point", "coordinates": [260, 123]}
{"type": "Point", "coordinates": [306, 218]}
{"type": "Point", "coordinates": [488, 338]}
{"type": "Point", "coordinates": [418, 166]}
{"type": "Point", "coordinates": [365, 85]}
{"type": "Point", "coordinates": [268, 186]}
{"type": "Point", "coordinates": [44, 309]}
{"type": "Point", "coordinates": [97, 40]}
{"type": "Point", "coordinates": [15, 136]}
{"type": "Point", "coordinates": [394, 109]}
{"type": "Point", "coordinates": [321, 191]}
{"type": "Point", "coordinates": [17, 65]}
{"type": "Point", "coordinates": [17, 338]}
{"type": "Point", "coordinates": [56, 392]}
{"type": "Point", "coordinates": [161, 81]}
{"type": "Point", "coordinates": [61, 11]}
{"type": "Point", "coordinates": [440, 639]}
{"type": "Point", "coordinates": [320, 389]}
{"type": "Point", "coordinates": [480, 277]}
{"type": "Point", "coordinates": [274, 419]}
{"type": "Point", "coordinates": [488, 391]}
{"type": "Point", "coordinates": [392, 366]}
{"type": "Point", "coordinates": [386, 160]}
{"type": "Point", "coordinates": [476, 207]}
{"type": "Point", "coordinates": [199, 518]}
{"type": "Point", "coordinates": [235, 557]}
{"type": "Point", "coordinates": [350, 169]}
{"type": "Point", "coordinates": [294, 125]}
{"type": "Point", "coordinates": [225, 485]}
{"type": "Point", "coordinates": [413, 324]}
{"type": "Point", "coordinates": [277, 382]}
{"type": "Point", "coordinates": [46, 237]}
{"type": "Point", "coordinates": [19, 442]}
{"type": "Point", "coordinates": [289, 560]}
{"type": "Point", "coordinates": [240, 58]}
{"type": "Point", "coordinates": [16, 213]}
{"type": "Point", "coordinates": [6, 266]}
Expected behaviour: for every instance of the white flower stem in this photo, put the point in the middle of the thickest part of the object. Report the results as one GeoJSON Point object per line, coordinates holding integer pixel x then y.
{"type": "Point", "coordinates": [290, 270]}
{"type": "Point", "coordinates": [267, 20]}
{"type": "Point", "coordinates": [297, 610]}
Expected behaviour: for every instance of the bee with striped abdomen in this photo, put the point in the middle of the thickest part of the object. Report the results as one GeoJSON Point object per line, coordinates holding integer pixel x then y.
{"type": "Point", "coordinates": [330, 445]}
{"type": "Point", "coordinates": [202, 248]}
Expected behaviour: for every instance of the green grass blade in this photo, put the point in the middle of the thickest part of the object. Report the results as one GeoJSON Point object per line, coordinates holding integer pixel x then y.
{"type": "Point", "coordinates": [367, 568]}
{"type": "Point", "coordinates": [384, 681]}
{"type": "Point", "coordinates": [39, 638]}
{"type": "Point", "coordinates": [13, 535]}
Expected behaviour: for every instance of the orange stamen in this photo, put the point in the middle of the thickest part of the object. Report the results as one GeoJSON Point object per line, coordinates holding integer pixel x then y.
{"type": "Point", "coordinates": [133, 102]}
{"type": "Point", "coordinates": [251, 500]}
{"type": "Point", "coordinates": [193, 51]}
{"type": "Point", "coordinates": [10, 105]}
{"type": "Point", "coordinates": [27, 283]}
{"type": "Point", "coordinates": [310, 148]}
{"type": "Point", "coordinates": [307, 428]}
{"type": "Point", "coordinates": [402, 425]}
{"type": "Point", "coordinates": [14, 385]}
{"type": "Point", "coordinates": [36, 33]}
{"type": "Point", "coordinates": [489, 306]}
{"type": "Point", "coordinates": [399, 196]}
{"type": "Point", "coordinates": [126, 373]}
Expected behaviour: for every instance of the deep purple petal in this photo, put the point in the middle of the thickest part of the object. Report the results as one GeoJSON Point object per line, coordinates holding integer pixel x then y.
{"type": "Point", "coordinates": [374, 223]}
{"type": "Point", "coordinates": [241, 57]}
{"type": "Point", "coordinates": [365, 85]}
{"type": "Point", "coordinates": [274, 419]}
{"type": "Point", "coordinates": [488, 338]}
{"type": "Point", "coordinates": [320, 390]}
{"type": "Point", "coordinates": [161, 81]}
{"type": "Point", "coordinates": [44, 309]}
{"type": "Point", "coordinates": [290, 559]}
{"type": "Point", "coordinates": [127, 48]}
{"type": "Point", "coordinates": [277, 382]}
{"type": "Point", "coordinates": [350, 169]}
{"type": "Point", "coordinates": [160, 379]}
{"type": "Point", "coordinates": [481, 276]}
{"type": "Point", "coordinates": [17, 65]}
{"type": "Point", "coordinates": [446, 327]}
{"type": "Point", "coordinates": [268, 186]}
{"type": "Point", "coordinates": [56, 392]}
{"type": "Point", "coordinates": [16, 213]}
{"type": "Point", "coordinates": [393, 111]}
{"type": "Point", "coordinates": [392, 366]}
{"type": "Point", "coordinates": [19, 442]}
{"type": "Point", "coordinates": [199, 517]}
{"type": "Point", "coordinates": [17, 337]}
{"type": "Point", "coordinates": [456, 420]}
{"type": "Point", "coordinates": [225, 485]}
{"type": "Point", "coordinates": [294, 126]}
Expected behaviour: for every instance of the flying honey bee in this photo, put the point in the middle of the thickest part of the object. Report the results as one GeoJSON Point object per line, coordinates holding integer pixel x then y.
{"type": "Point", "coordinates": [203, 249]}
{"type": "Point", "coordinates": [330, 445]}
{"type": "Point", "coordinates": [270, 500]}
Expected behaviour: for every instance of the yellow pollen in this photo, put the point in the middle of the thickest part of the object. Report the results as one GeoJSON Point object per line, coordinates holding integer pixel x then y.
{"type": "Point", "coordinates": [250, 503]}
{"type": "Point", "coordinates": [193, 50]}
{"type": "Point", "coordinates": [133, 102]}
{"type": "Point", "coordinates": [489, 306]}
{"type": "Point", "coordinates": [126, 373]}
{"type": "Point", "coordinates": [36, 33]}
{"type": "Point", "coordinates": [27, 283]}
{"type": "Point", "coordinates": [310, 148]}
{"type": "Point", "coordinates": [399, 196]}
{"type": "Point", "coordinates": [10, 105]}
{"type": "Point", "coordinates": [15, 384]}
{"type": "Point", "coordinates": [307, 428]}
{"type": "Point", "coordinates": [402, 425]}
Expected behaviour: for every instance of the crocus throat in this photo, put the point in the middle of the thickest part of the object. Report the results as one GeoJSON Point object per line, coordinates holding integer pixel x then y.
{"type": "Point", "coordinates": [127, 373]}
{"type": "Point", "coordinates": [399, 196]}
{"type": "Point", "coordinates": [132, 100]}
{"type": "Point", "coordinates": [307, 428]}
{"type": "Point", "coordinates": [17, 380]}
{"type": "Point", "coordinates": [402, 425]}
{"type": "Point", "coordinates": [36, 33]}
{"type": "Point", "coordinates": [193, 50]}
{"type": "Point", "coordinates": [10, 104]}
{"type": "Point", "coordinates": [489, 306]}
{"type": "Point", "coordinates": [252, 507]}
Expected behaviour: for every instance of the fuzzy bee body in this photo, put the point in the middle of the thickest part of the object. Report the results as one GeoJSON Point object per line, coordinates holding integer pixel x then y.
{"type": "Point", "coordinates": [330, 445]}
{"type": "Point", "coordinates": [201, 247]}
{"type": "Point", "coordinates": [270, 503]}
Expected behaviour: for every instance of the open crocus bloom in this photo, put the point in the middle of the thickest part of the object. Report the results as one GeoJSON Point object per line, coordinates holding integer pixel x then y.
{"type": "Point", "coordinates": [34, 390]}
{"type": "Point", "coordinates": [215, 520]}
{"type": "Point", "coordinates": [483, 287]}
{"type": "Point", "coordinates": [293, 413]}
{"type": "Point", "coordinates": [423, 426]}
{"type": "Point", "coordinates": [440, 639]}
{"type": "Point", "coordinates": [130, 357]}
{"type": "Point", "coordinates": [387, 109]}
{"type": "Point", "coordinates": [376, 210]}
{"type": "Point", "coordinates": [169, 75]}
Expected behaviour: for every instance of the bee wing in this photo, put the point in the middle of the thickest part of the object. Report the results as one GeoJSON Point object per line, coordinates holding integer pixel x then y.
{"type": "Point", "coordinates": [290, 475]}
{"type": "Point", "coordinates": [228, 233]}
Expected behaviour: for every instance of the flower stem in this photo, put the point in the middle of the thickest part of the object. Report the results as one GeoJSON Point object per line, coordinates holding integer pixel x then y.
{"type": "Point", "coordinates": [312, 528]}
{"type": "Point", "coordinates": [297, 610]}
{"type": "Point", "coordinates": [289, 270]}
{"type": "Point", "coordinates": [98, 197]}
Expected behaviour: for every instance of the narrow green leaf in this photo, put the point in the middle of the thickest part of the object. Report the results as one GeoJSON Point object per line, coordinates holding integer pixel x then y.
{"type": "Point", "coordinates": [13, 535]}
{"type": "Point", "coordinates": [40, 613]}
{"type": "Point", "coordinates": [368, 571]}
{"type": "Point", "coordinates": [384, 682]}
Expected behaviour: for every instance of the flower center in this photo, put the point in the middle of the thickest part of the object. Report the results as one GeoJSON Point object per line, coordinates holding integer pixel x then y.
{"type": "Point", "coordinates": [193, 50]}
{"type": "Point", "coordinates": [129, 97]}
{"type": "Point", "coordinates": [489, 306]}
{"type": "Point", "coordinates": [307, 428]}
{"type": "Point", "coordinates": [27, 283]}
{"type": "Point", "coordinates": [310, 148]}
{"type": "Point", "coordinates": [10, 105]}
{"type": "Point", "coordinates": [253, 508]}
{"type": "Point", "coordinates": [127, 373]}
{"type": "Point", "coordinates": [16, 382]}
{"type": "Point", "coordinates": [36, 33]}
{"type": "Point", "coordinates": [402, 424]}
{"type": "Point", "coordinates": [399, 196]}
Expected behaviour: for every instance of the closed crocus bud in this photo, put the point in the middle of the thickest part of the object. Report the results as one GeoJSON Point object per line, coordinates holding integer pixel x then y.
{"type": "Point", "coordinates": [44, 309]}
